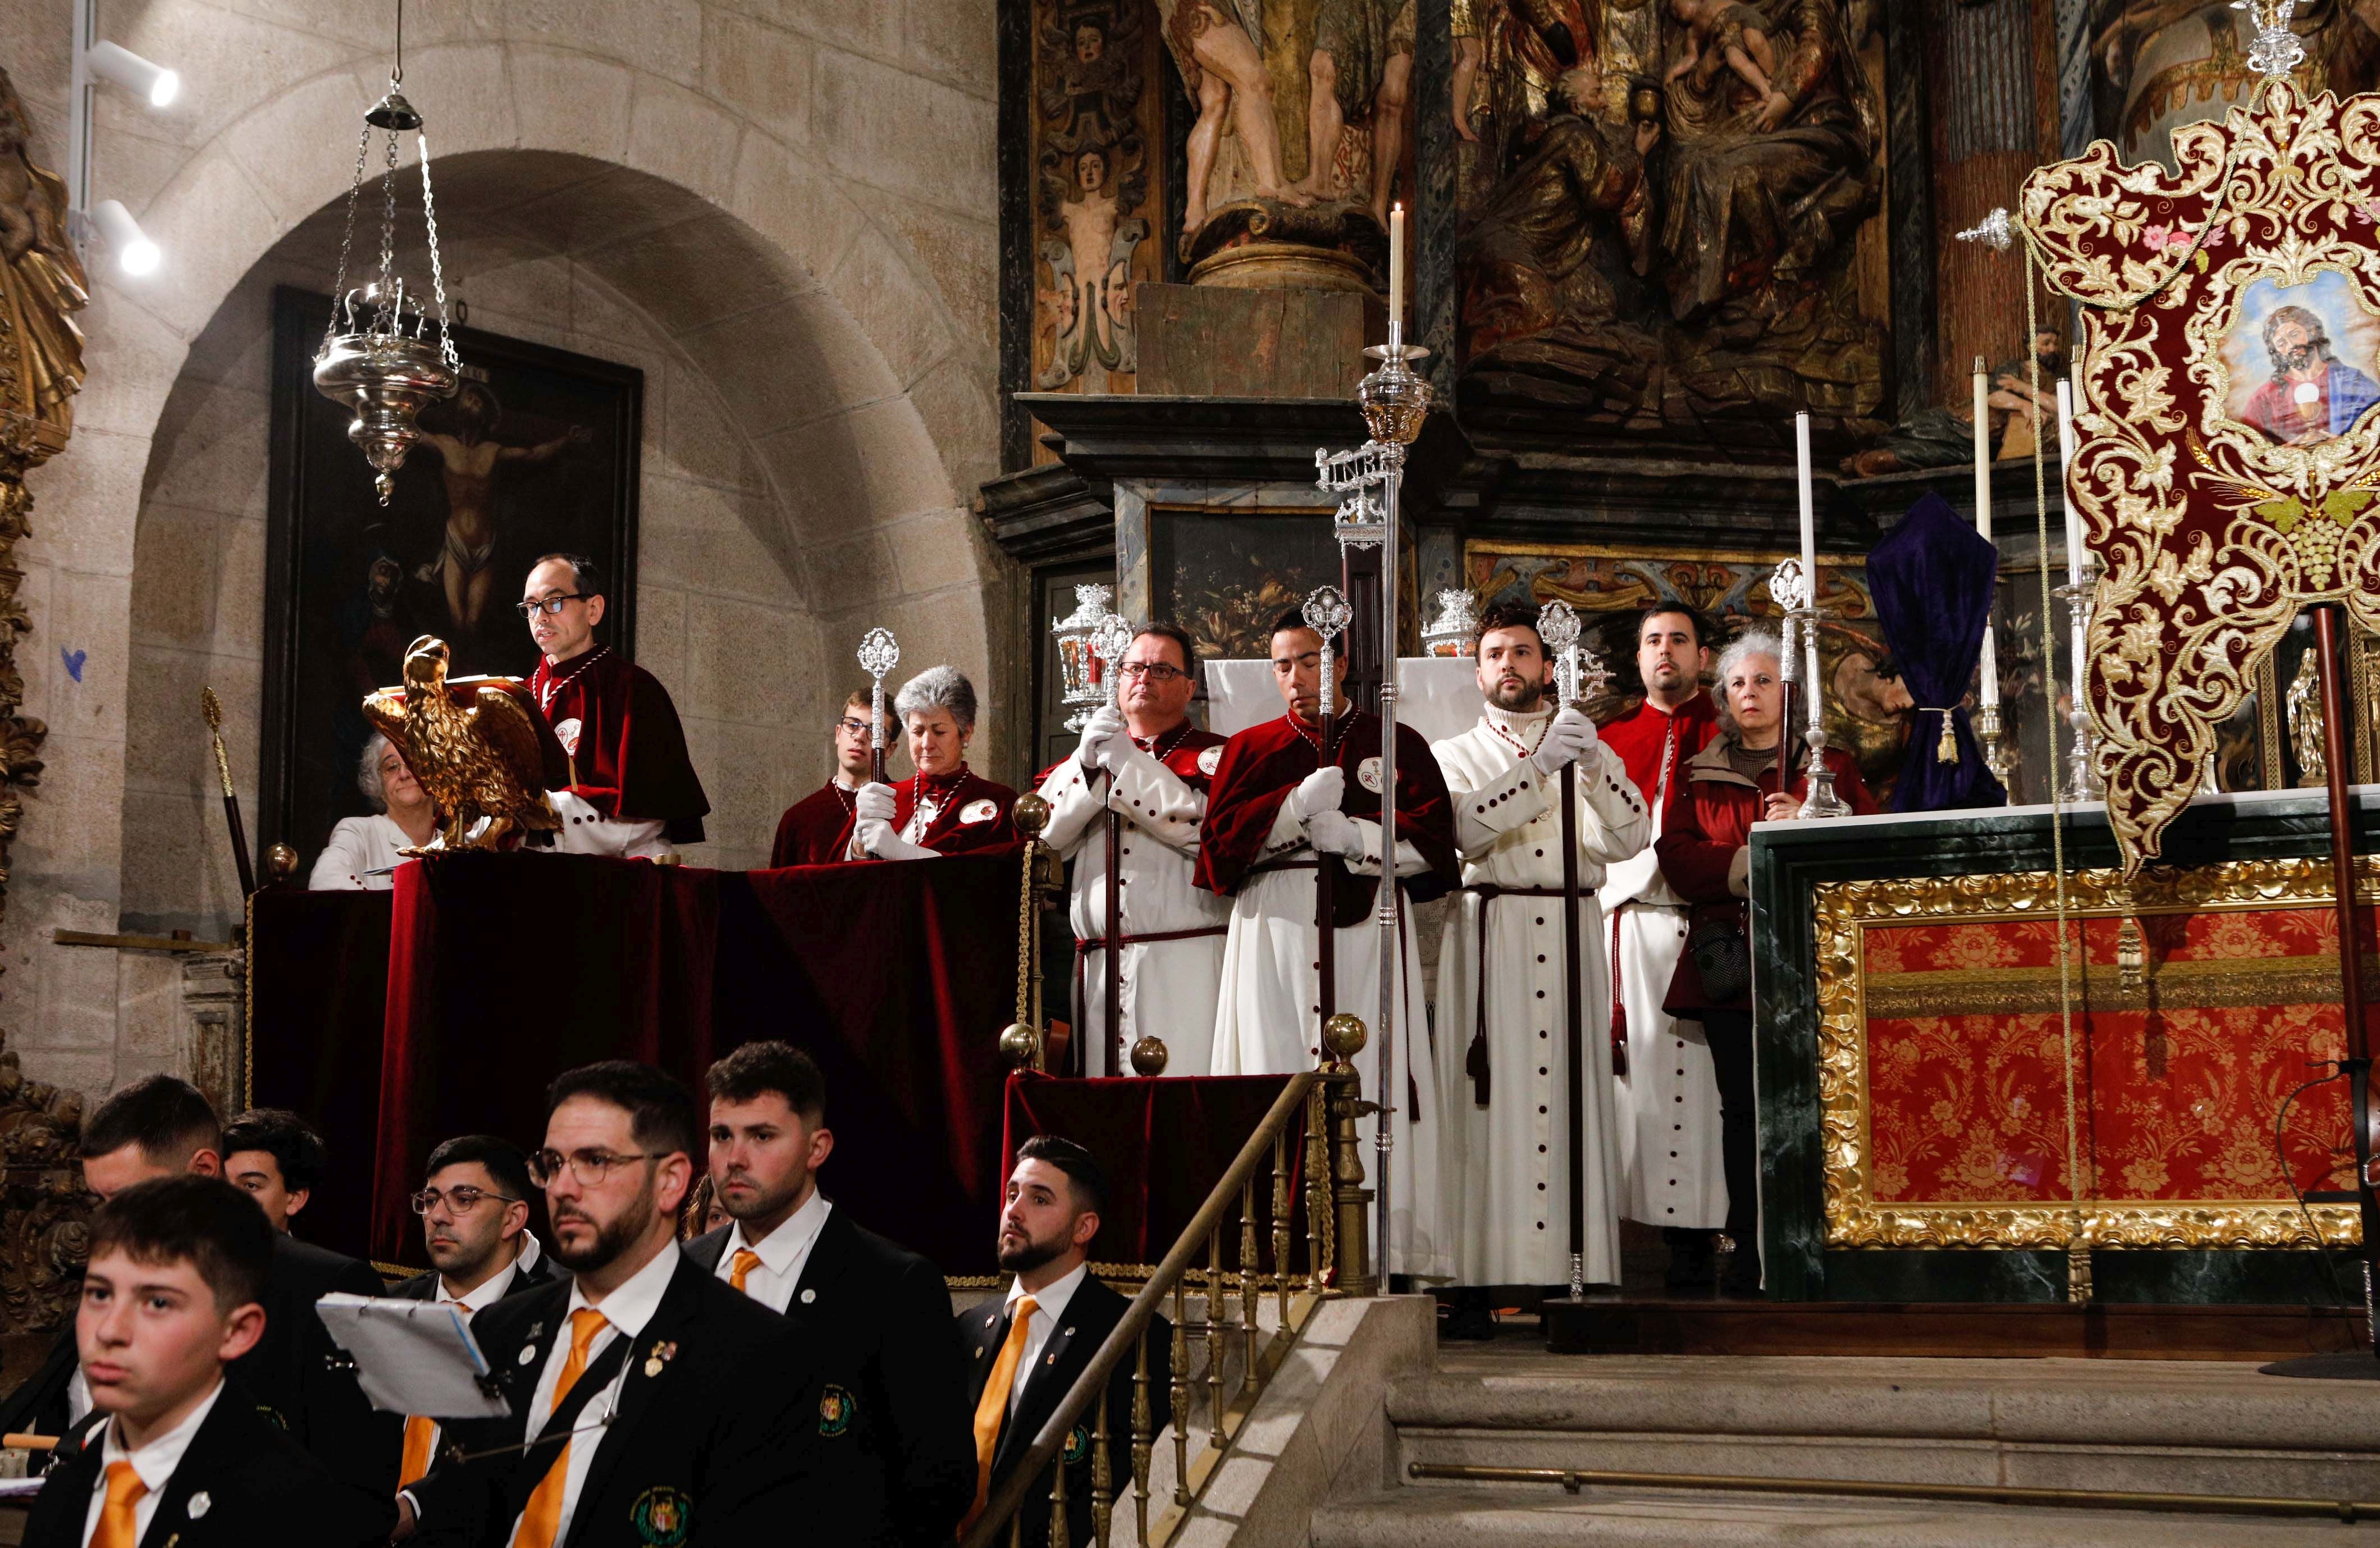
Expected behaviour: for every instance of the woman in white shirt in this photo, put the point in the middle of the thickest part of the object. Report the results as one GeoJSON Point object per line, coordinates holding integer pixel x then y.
{"type": "Point", "coordinates": [363, 850]}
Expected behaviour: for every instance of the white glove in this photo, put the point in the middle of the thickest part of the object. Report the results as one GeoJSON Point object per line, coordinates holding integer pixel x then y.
{"type": "Point", "coordinates": [1335, 833]}
{"type": "Point", "coordinates": [1103, 739]}
{"type": "Point", "coordinates": [1569, 739]}
{"type": "Point", "coordinates": [874, 803]}
{"type": "Point", "coordinates": [877, 838]}
{"type": "Point", "coordinates": [1320, 791]}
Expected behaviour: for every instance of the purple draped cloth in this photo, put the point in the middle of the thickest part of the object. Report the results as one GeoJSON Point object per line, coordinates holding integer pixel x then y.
{"type": "Point", "coordinates": [1932, 577]}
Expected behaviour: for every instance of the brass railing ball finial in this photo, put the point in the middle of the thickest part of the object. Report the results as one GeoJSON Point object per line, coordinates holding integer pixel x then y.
{"type": "Point", "coordinates": [1343, 1037]}
{"type": "Point", "coordinates": [1148, 1055]}
{"type": "Point", "coordinates": [280, 864]}
{"type": "Point", "coordinates": [1032, 814]}
{"type": "Point", "coordinates": [1019, 1044]}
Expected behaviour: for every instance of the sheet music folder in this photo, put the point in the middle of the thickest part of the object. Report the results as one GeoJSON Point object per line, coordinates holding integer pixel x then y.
{"type": "Point", "coordinates": [414, 1356]}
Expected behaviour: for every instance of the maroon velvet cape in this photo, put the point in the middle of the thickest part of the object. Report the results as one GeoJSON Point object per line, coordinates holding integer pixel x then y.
{"type": "Point", "coordinates": [1262, 764]}
{"type": "Point", "coordinates": [949, 834]}
{"type": "Point", "coordinates": [1640, 735]}
{"type": "Point", "coordinates": [629, 760]}
{"type": "Point", "coordinates": [815, 830]}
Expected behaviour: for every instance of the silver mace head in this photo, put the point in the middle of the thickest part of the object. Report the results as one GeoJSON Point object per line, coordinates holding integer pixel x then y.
{"type": "Point", "coordinates": [1327, 614]}
{"type": "Point", "coordinates": [1996, 231]}
{"type": "Point", "coordinates": [879, 654]}
{"type": "Point", "coordinates": [1558, 626]}
{"type": "Point", "coordinates": [1110, 640]}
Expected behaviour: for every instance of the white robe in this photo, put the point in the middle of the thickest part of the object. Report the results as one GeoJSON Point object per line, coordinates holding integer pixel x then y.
{"type": "Point", "coordinates": [1268, 1023]}
{"type": "Point", "coordinates": [1670, 1167]}
{"type": "Point", "coordinates": [1170, 987]}
{"type": "Point", "coordinates": [359, 846]}
{"type": "Point", "coordinates": [1510, 1179]}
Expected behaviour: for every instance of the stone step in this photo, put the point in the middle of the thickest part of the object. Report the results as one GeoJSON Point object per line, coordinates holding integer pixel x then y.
{"type": "Point", "coordinates": [2183, 1427]}
{"type": "Point", "coordinates": [1520, 1517]}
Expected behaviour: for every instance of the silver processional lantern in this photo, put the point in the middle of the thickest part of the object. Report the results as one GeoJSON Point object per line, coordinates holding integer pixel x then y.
{"type": "Point", "coordinates": [376, 357]}
{"type": "Point", "coordinates": [1081, 674]}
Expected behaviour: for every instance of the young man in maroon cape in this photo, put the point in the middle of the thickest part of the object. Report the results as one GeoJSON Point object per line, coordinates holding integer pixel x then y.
{"type": "Point", "coordinates": [633, 791]}
{"type": "Point", "coordinates": [1146, 761]}
{"type": "Point", "coordinates": [816, 830]}
{"type": "Point", "coordinates": [1670, 1170]}
{"type": "Point", "coordinates": [1291, 795]}
{"type": "Point", "coordinates": [945, 807]}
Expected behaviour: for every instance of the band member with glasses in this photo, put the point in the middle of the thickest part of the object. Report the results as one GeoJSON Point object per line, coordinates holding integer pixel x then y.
{"type": "Point", "coordinates": [1143, 760]}
{"type": "Point", "coordinates": [945, 807]}
{"type": "Point", "coordinates": [632, 789]}
{"type": "Point", "coordinates": [816, 830]}
{"type": "Point", "coordinates": [647, 1401]}
{"type": "Point", "coordinates": [474, 1210]}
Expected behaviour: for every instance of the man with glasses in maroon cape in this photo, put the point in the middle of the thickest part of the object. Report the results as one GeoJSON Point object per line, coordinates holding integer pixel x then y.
{"type": "Point", "coordinates": [633, 792]}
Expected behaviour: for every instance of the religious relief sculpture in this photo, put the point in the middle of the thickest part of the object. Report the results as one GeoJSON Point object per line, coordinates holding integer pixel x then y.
{"type": "Point", "coordinates": [2228, 473]}
{"type": "Point", "coordinates": [2304, 706]}
{"type": "Point", "coordinates": [43, 1207]}
{"type": "Point", "coordinates": [1093, 180]}
{"type": "Point", "coordinates": [1304, 131]}
{"type": "Point", "coordinates": [1664, 212]}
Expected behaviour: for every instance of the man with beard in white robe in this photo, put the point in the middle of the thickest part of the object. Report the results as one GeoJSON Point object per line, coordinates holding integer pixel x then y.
{"type": "Point", "coordinates": [1671, 1169]}
{"type": "Point", "coordinates": [1291, 796]}
{"type": "Point", "coordinates": [1146, 761]}
{"type": "Point", "coordinates": [1502, 977]}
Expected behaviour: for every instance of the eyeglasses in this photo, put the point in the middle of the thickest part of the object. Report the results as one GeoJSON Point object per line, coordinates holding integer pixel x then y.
{"type": "Point", "coordinates": [549, 605]}
{"type": "Point", "coordinates": [856, 727]}
{"type": "Point", "coordinates": [1155, 670]}
{"type": "Point", "coordinates": [590, 1167]}
{"type": "Point", "coordinates": [461, 1201]}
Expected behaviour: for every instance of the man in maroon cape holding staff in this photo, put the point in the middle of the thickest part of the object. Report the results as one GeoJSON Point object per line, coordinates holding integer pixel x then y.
{"type": "Point", "coordinates": [817, 829]}
{"type": "Point", "coordinates": [633, 791]}
{"type": "Point", "coordinates": [1279, 806]}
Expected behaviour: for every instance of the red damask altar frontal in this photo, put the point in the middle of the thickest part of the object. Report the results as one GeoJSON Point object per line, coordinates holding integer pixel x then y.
{"type": "Point", "coordinates": [1957, 1097]}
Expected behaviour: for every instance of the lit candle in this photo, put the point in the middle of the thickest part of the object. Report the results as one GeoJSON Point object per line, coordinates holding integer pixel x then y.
{"type": "Point", "coordinates": [1991, 668]}
{"type": "Point", "coordinates": [2065, 487]}
{"type": "Point", "coordinates": [1396, 270]}
{"type": "Point", "coordinates": [1809, 563]}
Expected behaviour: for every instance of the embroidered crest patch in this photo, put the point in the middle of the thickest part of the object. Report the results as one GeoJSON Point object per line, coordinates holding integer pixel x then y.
{"type": "Point", "coordinates": [1078, 1444]}
{"type": "Point", "coordinates": [662, 1516]}
{"type": "Point", "coordinates": [983, 811]}
{"type": "Point", "coordinates": [837, 1408]}
{"type": "Point", "coordinates": [1209, 758]}
{"type": "Point", "coordinates": [567, 735]}
{"type": "Point", "coordinates": [1367, 774]}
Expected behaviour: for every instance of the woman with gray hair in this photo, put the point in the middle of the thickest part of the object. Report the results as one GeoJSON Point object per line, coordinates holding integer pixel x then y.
{"type": "Point", "coordinates": [945, 807]}
{"type": "Point", "coordinates": [1705, 854]}
{"type": "Point", "coordinates": [362, 851]}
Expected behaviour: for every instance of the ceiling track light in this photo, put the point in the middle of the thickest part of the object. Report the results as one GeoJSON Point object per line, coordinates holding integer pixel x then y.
{"type": "Point", "coordinates": [135, 253]}
{"type": "Point", "coordinates": [96, 59]}
{"type": "Point", "coordinates": [154, 83]}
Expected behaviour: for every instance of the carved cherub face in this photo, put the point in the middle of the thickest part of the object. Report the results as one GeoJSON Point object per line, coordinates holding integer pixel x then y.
{"type": "Point", "coordinates": [1090, 43]}
{"type": "Point", "coordinates": [1091, 171]}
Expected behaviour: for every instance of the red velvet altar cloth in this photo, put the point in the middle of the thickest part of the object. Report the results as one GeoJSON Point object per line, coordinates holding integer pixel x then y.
{"type": "Point", "coordinates": [504, 969]}
{"type": "Point", "coordinates": [1165, 1145]}
{"type": "Point", "coordinates": [2177, 1083]}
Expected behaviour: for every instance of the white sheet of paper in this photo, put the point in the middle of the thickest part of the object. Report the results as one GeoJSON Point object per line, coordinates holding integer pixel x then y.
{"type": "Point", "coordinates": [413, 1356]}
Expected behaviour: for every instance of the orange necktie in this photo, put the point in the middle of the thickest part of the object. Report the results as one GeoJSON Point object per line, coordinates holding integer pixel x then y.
{"type": "Point", "coordinates": [741, 1269]}
{"type": "Point", "coordinates": [118, 1528]}
{"type": "Point", "coordinates": [541, 1521]}
{"type": "Point", "coordinates": [993, 1407]}
{"type": "Point", "coordinates": [420, 1435]}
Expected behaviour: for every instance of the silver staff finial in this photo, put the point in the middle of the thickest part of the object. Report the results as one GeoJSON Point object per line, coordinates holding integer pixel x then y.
{"type": "Point", "coordinates": [1996, 231]}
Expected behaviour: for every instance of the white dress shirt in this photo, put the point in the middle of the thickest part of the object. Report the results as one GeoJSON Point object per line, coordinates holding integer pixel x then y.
{"type": "Point", "coordinates": [625, 1312]}
{"type": "Point", "coordinates": [783, 1253]}
{"type": "Point", "coordinates": [154, 1463]}
{"type": "Point", "coordinates": [1049, 1312]}
{"type": "Point", "coordinates": [491, 1289]}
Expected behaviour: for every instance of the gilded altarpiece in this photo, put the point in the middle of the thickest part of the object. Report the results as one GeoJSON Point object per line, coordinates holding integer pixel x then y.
{"type": "Point", "coordinates": [1955, 1100]}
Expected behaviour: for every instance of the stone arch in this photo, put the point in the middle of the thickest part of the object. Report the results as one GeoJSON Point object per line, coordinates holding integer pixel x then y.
{"type": "Point", "coordinates": [851, 377]}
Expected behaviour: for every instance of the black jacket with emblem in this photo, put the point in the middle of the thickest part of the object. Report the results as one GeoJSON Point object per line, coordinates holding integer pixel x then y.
{"type": "Point", "coordinates": [424, 1286]}
{"type": "Point", "coordinates": [1092, 1313]}
{"type": "Point", "coordinates": [893, 1408]}
{"type": "Point", "coordinates": [301, 1381]}
{"type": "Point", "coordinates": [714, 1439]}
{"type": "Point", "coordinates": [241, 1482]}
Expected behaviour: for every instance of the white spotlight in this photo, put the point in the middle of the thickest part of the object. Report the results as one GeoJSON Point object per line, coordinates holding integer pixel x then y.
{"type": "Point", "coordinates": [134, 251]}
{"type": "Point", "coordinates": [128, 69]}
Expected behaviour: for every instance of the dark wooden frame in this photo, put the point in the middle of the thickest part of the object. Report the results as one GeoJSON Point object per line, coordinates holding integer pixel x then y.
{"type": "Point", "coordinates": [298, 317]}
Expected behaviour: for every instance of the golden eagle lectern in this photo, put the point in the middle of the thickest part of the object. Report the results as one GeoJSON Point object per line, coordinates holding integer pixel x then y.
{"type": "Point", "coordinates": [475, 744]}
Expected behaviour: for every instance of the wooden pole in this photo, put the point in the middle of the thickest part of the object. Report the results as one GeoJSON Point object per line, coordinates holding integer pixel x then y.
{"type": "Point", "coordinates": [2330, 661]}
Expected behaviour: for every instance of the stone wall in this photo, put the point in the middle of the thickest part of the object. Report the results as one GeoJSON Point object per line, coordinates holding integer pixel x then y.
{"type": "Point", "coordinates": [819, 353]}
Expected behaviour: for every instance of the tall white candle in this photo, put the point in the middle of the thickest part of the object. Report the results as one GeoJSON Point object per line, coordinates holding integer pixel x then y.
{"type": "Point", "coordinates": [1991, 667]}
{"type": "Point", "coordinates": [1396, 265]}
{"type": "Point", "coordinates": [2065, 482]}
{"type": "Point", "coordinates": [1809, 562]}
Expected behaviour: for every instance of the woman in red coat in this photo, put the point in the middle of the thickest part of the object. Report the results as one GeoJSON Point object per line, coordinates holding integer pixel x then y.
{"type": "Point", "coordinates": [945, 807]}
{"type": "Point", "coordinates": [1706, 855]}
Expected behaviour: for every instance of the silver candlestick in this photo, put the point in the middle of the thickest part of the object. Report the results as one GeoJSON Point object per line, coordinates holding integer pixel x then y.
{"type": "Point", "coordinates": [2082, 785]}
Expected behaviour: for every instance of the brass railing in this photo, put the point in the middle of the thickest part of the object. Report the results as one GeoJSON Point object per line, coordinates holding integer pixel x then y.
{"type": "Point", "coordinates": [1338, 1262]}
